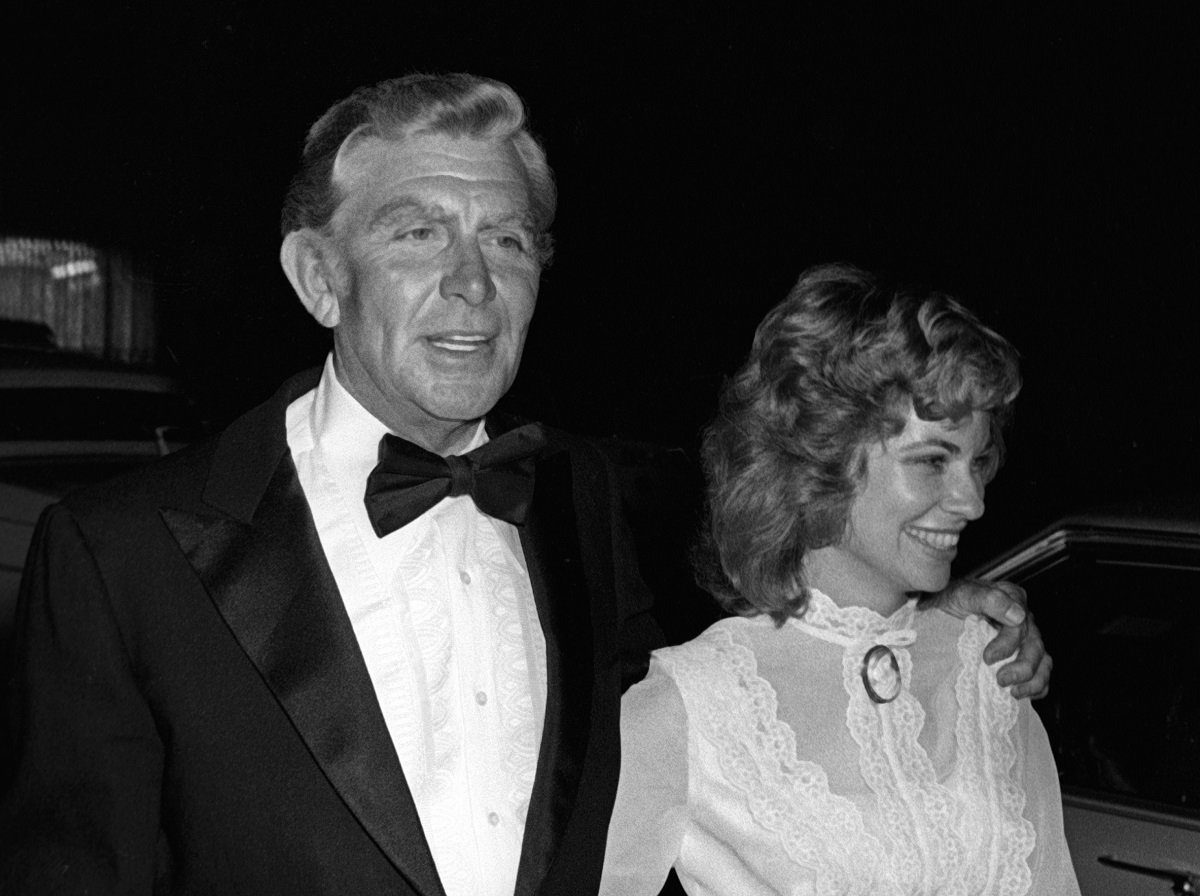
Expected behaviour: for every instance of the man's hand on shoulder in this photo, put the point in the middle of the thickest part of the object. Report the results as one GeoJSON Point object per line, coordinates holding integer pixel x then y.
{"type": "Point", "coordinates": [1004, 605]}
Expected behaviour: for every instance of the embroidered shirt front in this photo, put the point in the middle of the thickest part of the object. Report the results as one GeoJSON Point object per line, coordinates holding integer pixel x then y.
{"type": "Point", "coordinates": [445, 617]}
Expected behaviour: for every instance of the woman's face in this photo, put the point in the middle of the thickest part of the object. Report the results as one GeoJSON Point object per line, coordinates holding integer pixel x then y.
{"type": "Point", "coordinates": [920, 490]}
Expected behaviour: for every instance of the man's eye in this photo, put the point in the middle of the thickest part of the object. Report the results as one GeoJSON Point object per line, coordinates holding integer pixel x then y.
{"type": "Point", "coordinates": [510, 242]}
{"type": "Point", "coordinates": [984, 461]}
{"type": "Point", "coordinates": [418, 234]}
{"type": "Point", "coordinates": [935, 462]}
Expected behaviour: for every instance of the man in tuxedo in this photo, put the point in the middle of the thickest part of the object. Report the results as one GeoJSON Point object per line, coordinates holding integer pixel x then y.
{"type": "Point", "coordinates": [370, 639]}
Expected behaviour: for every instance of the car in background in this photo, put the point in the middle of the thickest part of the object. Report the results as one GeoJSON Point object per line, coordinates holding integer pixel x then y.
{"type": "Point", "coordinates": [1117, 597]}
{"type": "Point", "coordinates": [68, 420]}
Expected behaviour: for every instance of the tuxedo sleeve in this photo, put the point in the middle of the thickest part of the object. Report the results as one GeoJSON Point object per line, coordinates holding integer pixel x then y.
{"type": "Point", "coordinates": [80, 811]}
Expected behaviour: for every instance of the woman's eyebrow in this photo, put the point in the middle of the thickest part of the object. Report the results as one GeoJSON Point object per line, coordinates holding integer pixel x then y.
{"type": "Point", "coordinates": [933, 443]}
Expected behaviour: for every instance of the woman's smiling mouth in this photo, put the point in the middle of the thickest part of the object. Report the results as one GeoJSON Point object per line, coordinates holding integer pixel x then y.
{"type": "Point", "coordinates": [935, 539]}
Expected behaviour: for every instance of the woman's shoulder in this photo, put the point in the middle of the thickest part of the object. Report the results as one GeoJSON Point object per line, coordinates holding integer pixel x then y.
{"type": "Point", "coordinates": [934, 622]}
{"type": "Point", "coordinates": [725, 651]}
{"type": "Point", "coordinates": [731, 630]}
{"type": "Point", "coordinates": [955, 646]}
{"type": "Point", "coordinates": [710, 680]}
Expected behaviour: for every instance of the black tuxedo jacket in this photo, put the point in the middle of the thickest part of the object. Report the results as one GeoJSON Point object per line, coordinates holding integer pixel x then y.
{"type": "Point", "coordinates": [190, 712]}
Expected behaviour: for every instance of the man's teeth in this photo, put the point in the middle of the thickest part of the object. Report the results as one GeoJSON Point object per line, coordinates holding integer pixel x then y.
{"type": "Point", "coordinates": [459, 343]}
{"type": "Point", "coordinates": [941, 541]}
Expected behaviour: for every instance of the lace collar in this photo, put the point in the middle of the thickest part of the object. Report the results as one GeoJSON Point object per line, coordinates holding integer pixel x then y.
{"type": "Point", "coordinates": [826, 620]}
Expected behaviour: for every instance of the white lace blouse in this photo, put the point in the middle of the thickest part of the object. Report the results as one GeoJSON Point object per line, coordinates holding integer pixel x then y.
{"type": "Point", "coordinates": [754, 761]}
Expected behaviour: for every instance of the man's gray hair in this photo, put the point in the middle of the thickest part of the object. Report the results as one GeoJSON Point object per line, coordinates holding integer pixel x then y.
{"type": "Point", "coordinates": [457, 105]}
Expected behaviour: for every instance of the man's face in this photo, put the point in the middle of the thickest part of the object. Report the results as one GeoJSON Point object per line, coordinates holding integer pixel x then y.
{"type": "Point", "coordinates": [437, 279]}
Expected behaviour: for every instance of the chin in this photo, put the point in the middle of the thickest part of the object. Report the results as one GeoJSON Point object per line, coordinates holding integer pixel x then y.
{"type": "Point", "coordinates": [465, 402]}
{"type": "Point", "coordinates": [930, 583]}
{"type": "Point", "coordinates": [934, 585]}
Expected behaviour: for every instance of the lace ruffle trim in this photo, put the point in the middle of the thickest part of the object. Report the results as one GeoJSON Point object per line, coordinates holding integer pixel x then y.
{"type": "Point", "coordinates": [848, 625]}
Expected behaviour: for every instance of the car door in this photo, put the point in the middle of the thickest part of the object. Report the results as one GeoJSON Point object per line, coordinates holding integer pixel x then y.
{"type": "Point", "coordinates": [1120, 609]}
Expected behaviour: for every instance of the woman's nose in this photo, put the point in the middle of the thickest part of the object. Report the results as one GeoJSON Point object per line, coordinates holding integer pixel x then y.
{"type": "Point", "coordinates": [965, 495]}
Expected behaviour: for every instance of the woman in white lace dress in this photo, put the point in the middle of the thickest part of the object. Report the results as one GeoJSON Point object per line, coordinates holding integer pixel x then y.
{"type": "Point", "coordinates": [830, 738]}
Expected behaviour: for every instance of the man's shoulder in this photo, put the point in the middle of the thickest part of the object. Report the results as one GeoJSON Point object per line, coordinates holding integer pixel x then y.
{"type": "Point", "coordinates": [256, 438]}
{"type": "Point", "coordinates": [175, 475]}
{"type": "Point", "coordinates": [648, 476]}
{"type": "Point", "coordinates": [629, 457]}
{"type": "Point", "coordinates": [585, 453]}
{"type": "Point", "coordinates": [558, 439]}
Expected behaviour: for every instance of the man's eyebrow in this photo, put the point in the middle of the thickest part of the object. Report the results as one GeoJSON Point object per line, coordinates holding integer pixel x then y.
{"type": "Point", "coordinates": [405, 205]}
{"type": "Point", "coordinates": [520, 218]}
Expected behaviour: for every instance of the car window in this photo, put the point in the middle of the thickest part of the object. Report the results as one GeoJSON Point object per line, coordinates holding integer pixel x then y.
{"type": "Point", "coordinates": [1124, 708]}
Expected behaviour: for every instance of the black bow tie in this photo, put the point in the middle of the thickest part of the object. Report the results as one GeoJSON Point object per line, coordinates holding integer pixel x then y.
{"type": "Point", "coordinates": [409, 480]}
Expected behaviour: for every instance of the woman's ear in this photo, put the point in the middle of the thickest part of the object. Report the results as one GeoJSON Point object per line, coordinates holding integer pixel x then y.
{"type": "Point", "coordinates": [308, 260]}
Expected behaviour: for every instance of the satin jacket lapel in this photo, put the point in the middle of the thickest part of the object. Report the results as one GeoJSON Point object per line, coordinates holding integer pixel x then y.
{"type": "Point", "coordinates": [261, 561]}
{"type": "Point", "coordinates": [550, 540]}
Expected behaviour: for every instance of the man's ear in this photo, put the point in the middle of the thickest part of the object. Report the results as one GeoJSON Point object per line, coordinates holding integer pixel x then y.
{"type": "Point", "coordinates": [308, 261]}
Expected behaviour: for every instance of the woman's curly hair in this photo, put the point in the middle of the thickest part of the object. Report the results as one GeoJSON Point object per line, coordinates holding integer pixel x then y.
{"type": "Point", "coordinates": [832, 368]}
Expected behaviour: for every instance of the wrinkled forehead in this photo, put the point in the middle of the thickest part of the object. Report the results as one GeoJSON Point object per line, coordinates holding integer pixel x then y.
{"type": "Point", "coordinates": [377, 162]}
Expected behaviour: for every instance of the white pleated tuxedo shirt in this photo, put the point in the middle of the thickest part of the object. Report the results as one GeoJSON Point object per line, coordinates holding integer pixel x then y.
{"type": "Point", "coordinates": [445, 617]}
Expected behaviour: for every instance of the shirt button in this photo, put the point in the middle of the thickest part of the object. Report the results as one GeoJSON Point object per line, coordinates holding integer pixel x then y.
{"type": "Point", "coordinates": [480, 698]}
{"type": "Point", "coordinates": [493, 819]}
{"type": "Point", "coordinates": [464, 577]}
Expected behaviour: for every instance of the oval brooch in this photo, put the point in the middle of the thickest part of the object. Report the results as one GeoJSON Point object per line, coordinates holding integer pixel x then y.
{"type": "Point", "coordinates": [881, 674]}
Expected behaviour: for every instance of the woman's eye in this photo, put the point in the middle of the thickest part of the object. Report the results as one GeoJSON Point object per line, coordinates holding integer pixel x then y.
{"type": "Point", "coordinates": [937, 463]}
{"type": "Point", "coordinates": [419, 234]}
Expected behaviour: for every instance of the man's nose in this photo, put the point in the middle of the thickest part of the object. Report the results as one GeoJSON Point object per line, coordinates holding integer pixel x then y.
{"type": "Point", "coordinates": [964, 495]}
{"type": "Point", "coordinates": [468, 277]}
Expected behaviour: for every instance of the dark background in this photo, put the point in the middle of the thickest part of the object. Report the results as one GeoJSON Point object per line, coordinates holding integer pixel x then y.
{"type": "Point", "coordinates": [1040, 165]}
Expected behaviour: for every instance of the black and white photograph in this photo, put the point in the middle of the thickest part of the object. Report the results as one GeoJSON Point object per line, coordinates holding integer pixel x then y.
{"type": "Point", "coordinates": [472, 450]}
